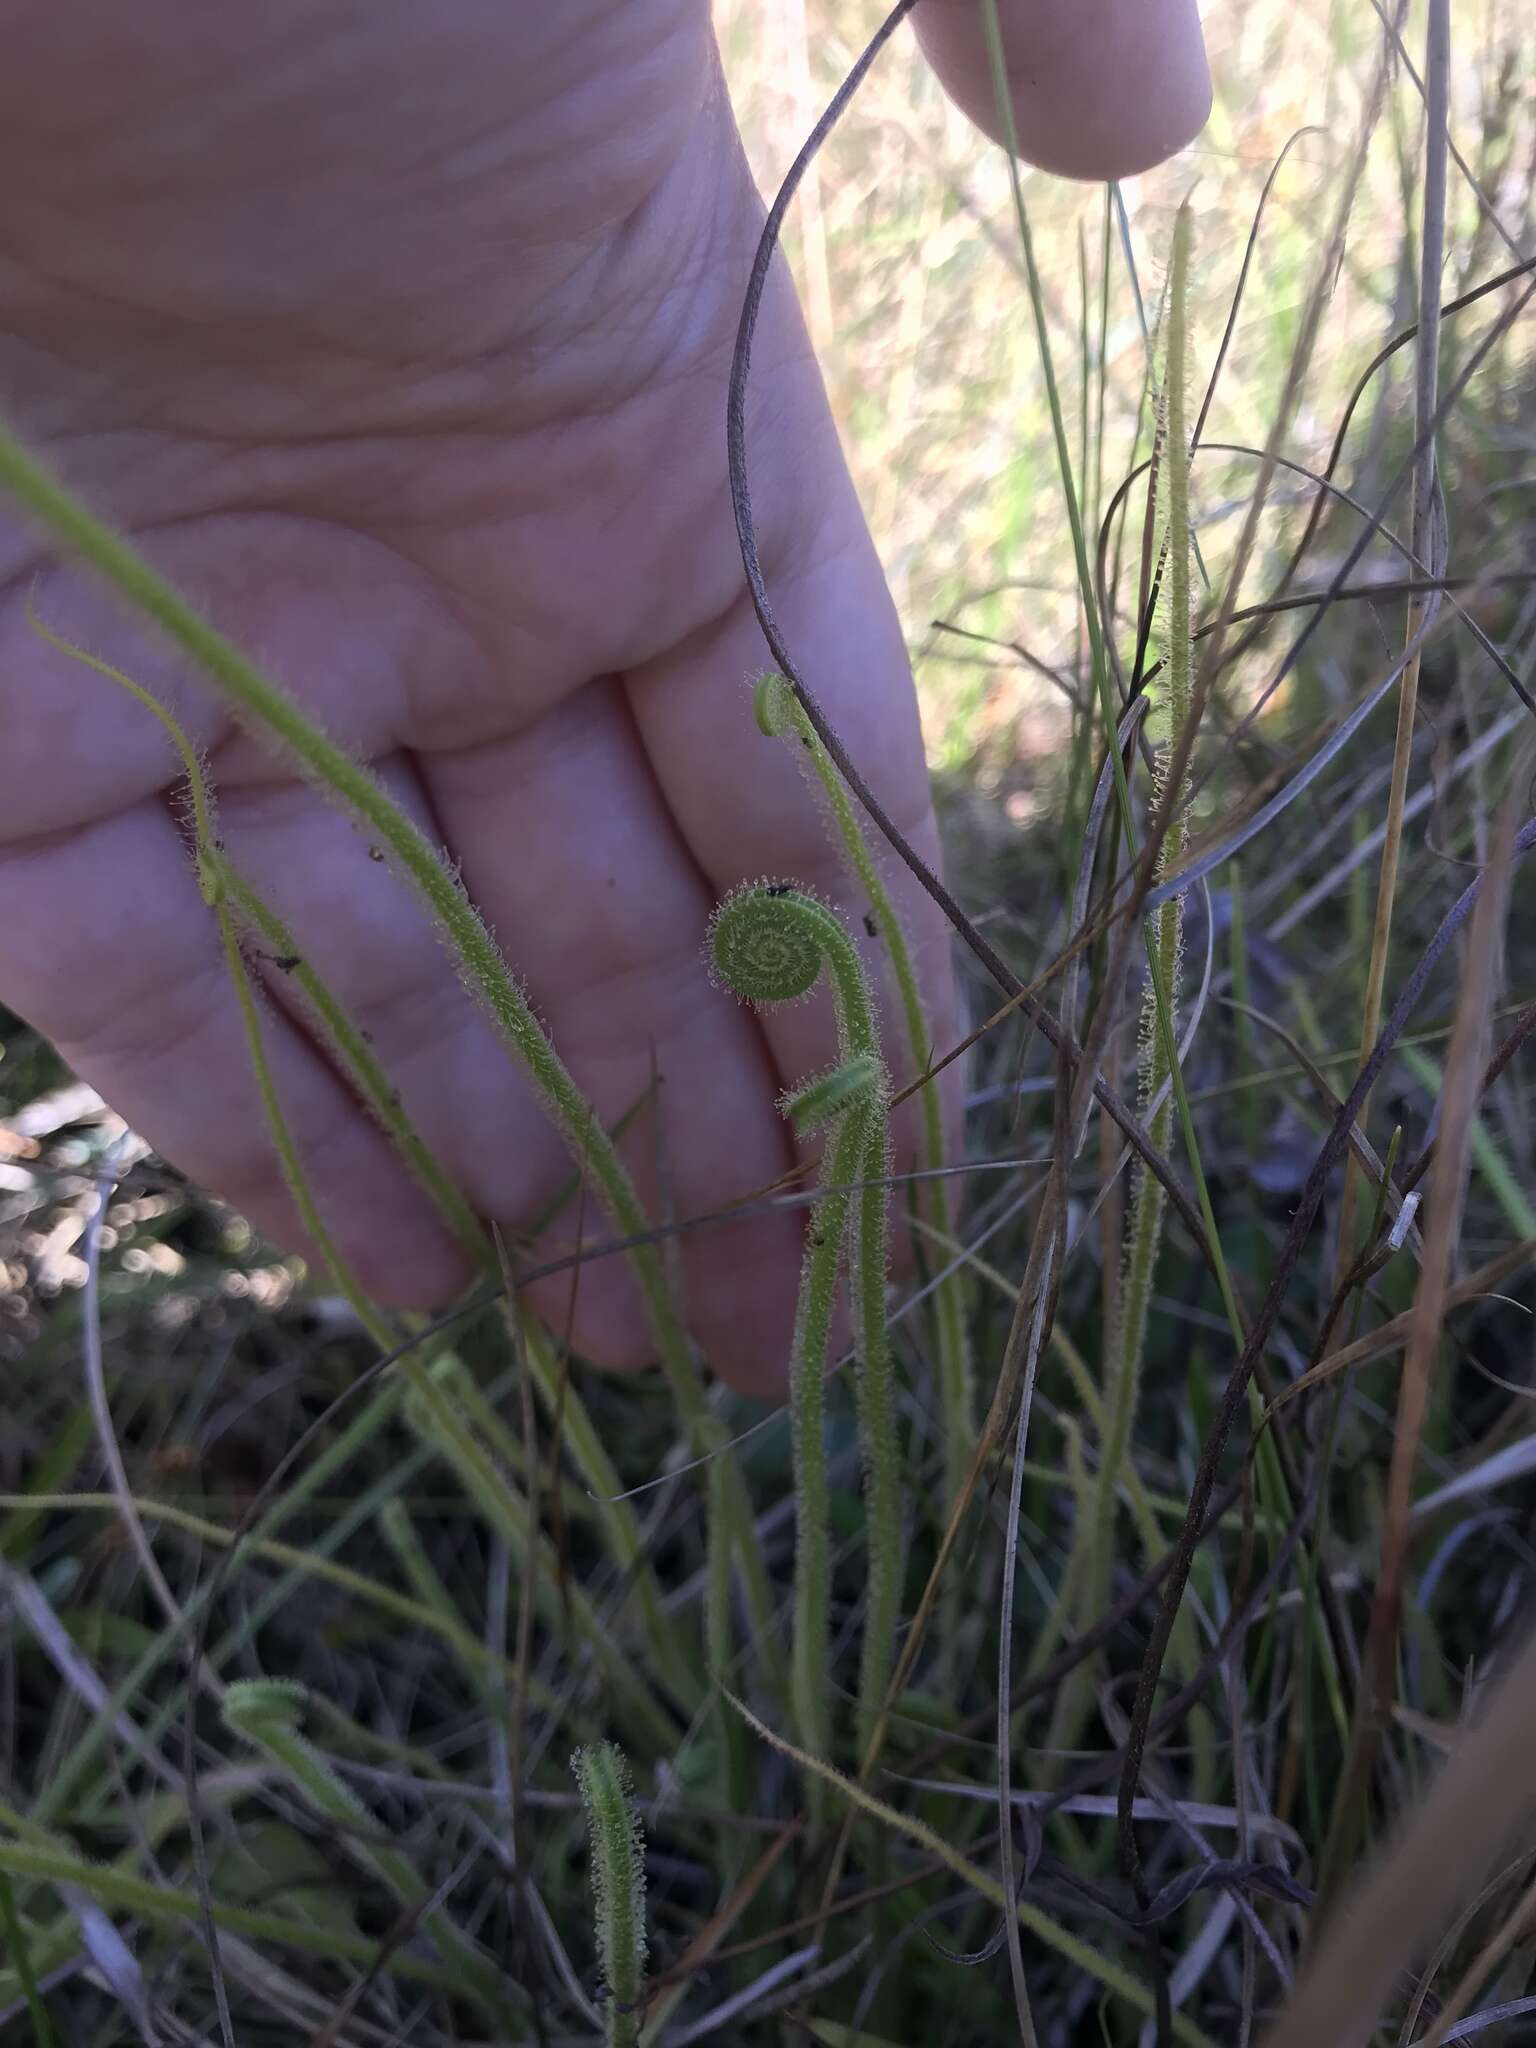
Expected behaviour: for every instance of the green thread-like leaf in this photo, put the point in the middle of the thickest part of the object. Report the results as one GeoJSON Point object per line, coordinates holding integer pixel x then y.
{"type": "Point", "coordinates": [1165, 943]}
{"type": "Point", "coordinates": [819, 1102]}
{"type": "Point", "coordinates": [763, 941]}
{"type": "Point", "coordinates": [780, 715]}
{"type": "Point", "coordinates": [264, 704]}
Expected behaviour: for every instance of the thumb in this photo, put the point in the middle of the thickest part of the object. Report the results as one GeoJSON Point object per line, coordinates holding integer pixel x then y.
{"type": "Point", "coordinates": [1100, 88]}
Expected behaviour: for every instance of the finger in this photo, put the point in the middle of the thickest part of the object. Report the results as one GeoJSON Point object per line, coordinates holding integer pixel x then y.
{"type": "Point", "coordinates": [80, 747]}
{"type": "Point", "coordinates": [363, 931]}
{"type": "Point", "coordinates": [568, 849]}
{"type": "Point", "coordinates": [1100, 88]}
{"type": "Point", "coordinates": [108, 949]}
{"type": "Point", "coordinates": [366, 934]}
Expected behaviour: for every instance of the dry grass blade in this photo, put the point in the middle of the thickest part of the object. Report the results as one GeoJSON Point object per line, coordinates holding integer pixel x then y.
{"type": "Point", "coordinates": [1423, 539]}
{"type": "Point", "coordinates": [1445, 1198]}
{"type": "Point", "coordinates": [1483, 1804]}
{"type": "Point", "coordinates": [1053, 1221]}
{"type": "Point", "coordinates": [1393, 1335]}
{"type": "Point", "coordinates": [101, 1406]}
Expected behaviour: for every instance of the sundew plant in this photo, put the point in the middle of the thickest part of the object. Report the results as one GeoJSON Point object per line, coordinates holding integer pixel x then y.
{"type": "Point", "coordinates": [1118, 1631]}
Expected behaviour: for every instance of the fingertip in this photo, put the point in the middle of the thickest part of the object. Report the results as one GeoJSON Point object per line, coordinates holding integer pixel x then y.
{"type": "Point", "coordinates": [1100, 88]}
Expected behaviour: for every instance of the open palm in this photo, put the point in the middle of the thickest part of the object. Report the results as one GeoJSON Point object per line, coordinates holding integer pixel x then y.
{"type": "Point", "coordinates": [398, 339]}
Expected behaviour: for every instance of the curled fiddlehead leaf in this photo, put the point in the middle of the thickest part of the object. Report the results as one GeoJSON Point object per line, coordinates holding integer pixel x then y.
{"type": "Point", "coordinates": [780, 715]}
{"type": "Point", "coordinates": [772, 943]}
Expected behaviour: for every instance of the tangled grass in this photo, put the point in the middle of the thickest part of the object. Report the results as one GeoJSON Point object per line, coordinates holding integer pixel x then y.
{"type": "Point", "coordinates": [1203, 1482]}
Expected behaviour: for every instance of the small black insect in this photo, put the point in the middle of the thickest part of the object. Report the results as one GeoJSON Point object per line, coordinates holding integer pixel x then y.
{"type": "Point", "coordinates": [870, 927]}
{"type": "Point", "coordinates": [375, 853]}
{"type": "Point", "coordinates": [287, 961]}
{"type": "Point", "coordinates": [779, 889]}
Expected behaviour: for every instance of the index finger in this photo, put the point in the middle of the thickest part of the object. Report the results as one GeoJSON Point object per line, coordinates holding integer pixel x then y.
{"type": "Point", "coordinates": [1100, 88]}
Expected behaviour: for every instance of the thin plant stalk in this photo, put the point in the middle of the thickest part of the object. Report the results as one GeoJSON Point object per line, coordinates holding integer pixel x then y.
{"type": "Point", "coordinates": [1127, 1338]}
{"type": "Point", "coordinates": [1084, 1955]}
{"type": "Point", "coordinates": [810, 1688]}
{"type": "Point", "coordinates": [1100, 661]}
{"type": "Point", "coordinates": [20, 1948]}
{"type": "Point", "coordinates": [263, 703]}
{"type": "Point", "coordinates": [579, 1436]}
{"type": "Point", "coordinates": [360, 1061]}
{"type": "Point", "coordinates": [437, 1619]}
{"type": "Point", "coordinates": [214, 874]}
{"type": "Point", "coordinates": [567, 1610]}
{"type": "Point", "coordinates": [1147, 1198]}
{"type": "Point", "coordinates": [1421, 605]}
{"type": "Point", "coordinates": [877, 1421]}
{"type": "Point", "coordinates": [113, 1885]}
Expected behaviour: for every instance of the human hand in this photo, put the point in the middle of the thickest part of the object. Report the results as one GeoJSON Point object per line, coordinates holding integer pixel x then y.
{"type": "Point", "coordinates": [398, 339]}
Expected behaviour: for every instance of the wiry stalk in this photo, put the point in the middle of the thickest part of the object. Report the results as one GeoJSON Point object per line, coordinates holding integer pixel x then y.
{"type": "Point", "coordinates": [1127, 1340]}
{"type": "Point", "coordinates": [1421, 607]}
{"type": "Point", "coordinates": [567, 1610]}
{"type": "Point", "coordinates": [877, 1417]}
{"type": "Point", "coordinates": [810, 1689]}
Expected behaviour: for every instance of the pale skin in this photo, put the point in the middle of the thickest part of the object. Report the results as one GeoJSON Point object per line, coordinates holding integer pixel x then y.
{"type": "Point", "coordinates": [398, 338]}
